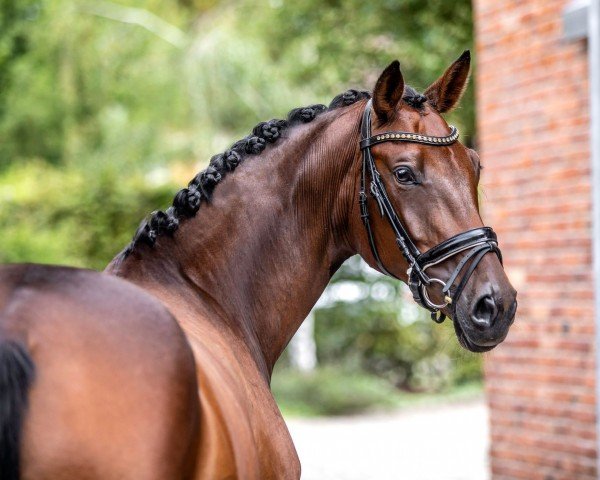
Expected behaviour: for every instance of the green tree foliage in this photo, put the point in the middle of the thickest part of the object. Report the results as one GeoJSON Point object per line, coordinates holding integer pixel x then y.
{"type": "Point", "coordinates": [89, 85]}
{"type": "Point", "coordinates": [14, 37]}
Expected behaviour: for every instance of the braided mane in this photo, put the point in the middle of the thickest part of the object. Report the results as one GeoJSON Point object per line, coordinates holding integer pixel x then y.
{"type": "Point", "coordinates": [188, 200]}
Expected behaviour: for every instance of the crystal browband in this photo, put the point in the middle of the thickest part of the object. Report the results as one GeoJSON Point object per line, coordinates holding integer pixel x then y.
{"type": "Point", "coordinates": [410, 137]}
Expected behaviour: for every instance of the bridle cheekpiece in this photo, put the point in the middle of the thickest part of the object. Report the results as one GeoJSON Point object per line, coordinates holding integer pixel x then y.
{"type": "Point", "coordinates": [473, 243]}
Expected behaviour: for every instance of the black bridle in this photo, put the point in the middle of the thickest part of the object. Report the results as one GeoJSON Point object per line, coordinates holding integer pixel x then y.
{"type": "Point", "coordinates": [476, 242]}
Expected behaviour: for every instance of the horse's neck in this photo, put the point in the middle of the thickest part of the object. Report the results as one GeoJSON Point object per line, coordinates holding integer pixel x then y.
{"type": "Point", "coordinates": [261, 253]}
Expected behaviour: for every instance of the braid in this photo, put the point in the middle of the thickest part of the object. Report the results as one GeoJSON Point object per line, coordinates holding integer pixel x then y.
{"type": "Point", "coordinates": [348, 98]}
{"type": "Point", "coordinates": [305, 114]}
{"type": "Point", "coordinates": [163, 222]}
{"type": "Point", "coordinates": [206, 181]}
{"type": "Point", "coordinates": [187, 202]}
{"type": "Point", "coordinates": [270, 130]}
{"type": "Point", "coordinates": [413, 98]}
{"type": "Point", "coordinates": [144, 234]}
{"type": "Point", "coordinates": [231, 159]}
{"type": "Point", "coordinates": [251, 145]}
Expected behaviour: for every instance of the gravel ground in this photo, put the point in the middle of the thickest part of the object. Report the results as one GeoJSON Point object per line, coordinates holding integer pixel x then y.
{"type": "Point", "coordinates": [426, 443]}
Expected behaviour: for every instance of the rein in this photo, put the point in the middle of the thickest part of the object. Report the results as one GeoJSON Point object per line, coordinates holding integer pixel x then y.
{"type": "Point", "coordinates": [476, 242]}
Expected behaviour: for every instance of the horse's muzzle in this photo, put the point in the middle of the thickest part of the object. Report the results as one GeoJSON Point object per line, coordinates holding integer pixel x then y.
{"type": "Point", "coordinates": [484, 323]}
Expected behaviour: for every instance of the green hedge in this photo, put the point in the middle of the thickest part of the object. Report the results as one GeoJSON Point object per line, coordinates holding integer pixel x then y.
{"type": "Point", "coordinates": [339, 391]}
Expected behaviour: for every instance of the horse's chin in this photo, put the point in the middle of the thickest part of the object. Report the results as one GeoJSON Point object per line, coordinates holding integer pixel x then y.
{"type": "Point", "coordinates": [468, 344]}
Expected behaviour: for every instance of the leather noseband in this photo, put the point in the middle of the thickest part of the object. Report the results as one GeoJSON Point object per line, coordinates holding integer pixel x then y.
{"type": "Point", "coordinates": [474, 244]}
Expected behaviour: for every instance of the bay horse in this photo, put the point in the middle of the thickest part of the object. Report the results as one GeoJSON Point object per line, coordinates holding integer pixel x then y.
{"type": "Point", "coordinates": [159, 367]}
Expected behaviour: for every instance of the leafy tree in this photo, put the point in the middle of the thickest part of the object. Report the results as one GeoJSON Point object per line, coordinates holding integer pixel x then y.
{"type": "Point", "coordinates": [15, 15]}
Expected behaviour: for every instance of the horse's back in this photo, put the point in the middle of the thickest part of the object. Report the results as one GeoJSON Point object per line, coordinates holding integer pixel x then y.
{"type": "Point", "coordinates": [115, 392]}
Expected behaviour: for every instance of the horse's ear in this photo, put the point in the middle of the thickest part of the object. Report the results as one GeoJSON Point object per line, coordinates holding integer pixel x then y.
{"type": "Point", "coordinates": [446, 91]}
{"type": "Point", "coordinates": [388, 92]}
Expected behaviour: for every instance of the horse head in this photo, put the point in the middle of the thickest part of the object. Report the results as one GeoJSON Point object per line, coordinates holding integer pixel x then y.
{"type": "Point", "coordinates": [418, 199]}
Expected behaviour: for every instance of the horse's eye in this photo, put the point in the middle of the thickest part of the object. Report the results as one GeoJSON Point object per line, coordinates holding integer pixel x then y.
{"type": "Point", "coordinates": [405, 176]}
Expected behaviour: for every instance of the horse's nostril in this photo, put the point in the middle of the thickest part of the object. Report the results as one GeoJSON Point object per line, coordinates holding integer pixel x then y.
{"type": "Point", "coordinates": [485, 312]}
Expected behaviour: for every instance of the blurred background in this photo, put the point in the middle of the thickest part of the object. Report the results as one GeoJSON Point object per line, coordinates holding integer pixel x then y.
{"type": "Point", "coordinates": [108, 107]}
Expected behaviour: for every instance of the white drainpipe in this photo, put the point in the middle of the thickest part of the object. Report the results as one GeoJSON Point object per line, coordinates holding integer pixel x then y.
{"type": "Point", "coordinates": [594, 69]}
{"type": "Point", "coordinates": [581, 19]}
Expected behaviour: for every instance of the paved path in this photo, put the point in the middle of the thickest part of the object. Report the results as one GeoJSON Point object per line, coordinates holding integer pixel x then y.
{"type": "Point", "coordinates": [427, 443]}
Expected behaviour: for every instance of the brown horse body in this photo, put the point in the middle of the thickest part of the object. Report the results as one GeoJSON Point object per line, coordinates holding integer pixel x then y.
{"type": "Point", "coordinates": [115, 393]}
{"type": "Point", "coordinates": [164, 372]}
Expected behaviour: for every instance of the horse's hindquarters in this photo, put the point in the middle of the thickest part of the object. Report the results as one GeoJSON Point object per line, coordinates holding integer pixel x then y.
{"type": "Point", "coordinates": [115, 393]}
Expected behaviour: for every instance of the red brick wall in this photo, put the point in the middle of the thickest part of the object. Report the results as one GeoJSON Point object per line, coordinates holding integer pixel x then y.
{"type": "Point", "coordinates": [532, 92]}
